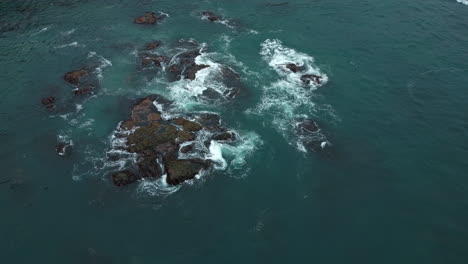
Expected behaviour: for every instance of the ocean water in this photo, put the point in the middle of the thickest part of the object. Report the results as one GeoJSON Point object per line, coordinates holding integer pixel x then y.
{"type": "Point", "coordinates": [391, 185]}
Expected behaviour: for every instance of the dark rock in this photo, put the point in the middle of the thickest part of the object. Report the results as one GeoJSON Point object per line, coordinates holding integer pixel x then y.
{"type": "Point", "coordinates": [88, 90]}
{"type": "Point", "coordinates": [211, 94]}
{"type": "Point", "coordinates": [310, 135]}
{"type": "Point", "coordinates": [179, 171]}
{"type": "Point", "coordinates": [308, 126]}
{"type": "Point", "coordinates": [294, 68]}
{"type": "Point", "coordinates": [146, 139]}
{"type": "Point", "coordinates": [209, 121]}
{"type": "Point", "coordinates": [48, 102]}
{"type": "Point", "coordinates": [63, 148]}
{"type": "Point", "coordinates": [184, 136]}
{"type": "Point", "coordinates": [185, 66]}
{"type": "Point", "coordinates": [191, 71]}
{"type": "Point", "coordinates": [144, 111]}
{"type": "Point", "coordinates": [307, 78]}
{"type": "Point", "coordinates": [152, 59]}
{"type": "Point", "coordinates": [152, 45]}
{"type": "Point", "coordinates": [148, 167]}
{"type": "Point", "coordinates": [225, 136]}
{"type": "Point", "coordinates": [125, 177]}
{"type": "Point", "coordinates": [147, 18]}
{"type": "Point", "coordinates": [74, 77]}
{"type": "Point", "coordinates": [211, 16]}
{"type": "Point", "coordinates": [187, 149]}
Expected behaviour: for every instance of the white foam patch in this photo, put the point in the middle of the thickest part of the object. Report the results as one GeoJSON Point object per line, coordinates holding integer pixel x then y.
{"type": "Point", "coordinates": [238, 153]}
{"type": "Point", "coordinates": [216, 155]}
{"type": "Point", "coordinates": [104, 63]}
{"type": "Point", "coordinates": [158, 187]}
{"type": "Point", "coordinates": [73, 44]}
{"type": "Point", "coordinates": [465, 2]}
{"type": "Point", "coordinates": [41, 31]}
{"type": "Point", "coordinates": [69, 32]}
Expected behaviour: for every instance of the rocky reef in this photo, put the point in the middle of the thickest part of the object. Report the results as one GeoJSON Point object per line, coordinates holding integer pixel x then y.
{"type": "Point", "coordinates": [174, 146]}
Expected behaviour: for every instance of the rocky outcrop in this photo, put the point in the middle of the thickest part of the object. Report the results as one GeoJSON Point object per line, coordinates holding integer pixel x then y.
{"type": "Point", "coordinates": [157, 141]}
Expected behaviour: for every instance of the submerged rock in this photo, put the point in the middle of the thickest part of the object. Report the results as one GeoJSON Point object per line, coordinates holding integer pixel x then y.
{"type": "Point", "coordinates": [147, 18]}
{"type": "Point", "coordinates": [74, 77]}
{"type": "Point", "coordinates": [153, 45]}
{"type": "Point", "coordinates": [150, 18]}
{"type": "Point", "coordinates": [153, 59]}
{"type": "Point", "coordinates": [48, 102]}
{"type": "Point", "coordinates": [88, 90]}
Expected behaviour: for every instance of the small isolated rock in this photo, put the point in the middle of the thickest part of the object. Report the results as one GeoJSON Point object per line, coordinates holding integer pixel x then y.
{"type": "Point", "coordinates": [150, 18]}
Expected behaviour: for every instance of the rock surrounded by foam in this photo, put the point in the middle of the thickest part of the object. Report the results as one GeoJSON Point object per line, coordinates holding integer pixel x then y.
{"type": "Point", "coordinates": [166, 146]}
{"type": "Point", "coordinates": [310, 136]}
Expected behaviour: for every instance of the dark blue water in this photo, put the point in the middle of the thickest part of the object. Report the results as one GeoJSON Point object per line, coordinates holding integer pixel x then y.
{"type": "Point", "coordinates": [391, 187]}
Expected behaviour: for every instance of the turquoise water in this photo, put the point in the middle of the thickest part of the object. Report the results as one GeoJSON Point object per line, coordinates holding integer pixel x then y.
{"type": "Point", "coordinates": [391, 189]}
